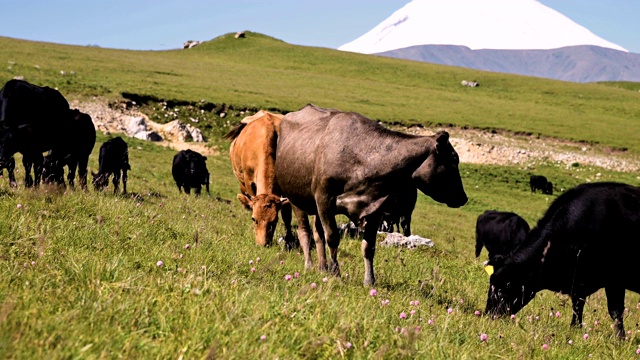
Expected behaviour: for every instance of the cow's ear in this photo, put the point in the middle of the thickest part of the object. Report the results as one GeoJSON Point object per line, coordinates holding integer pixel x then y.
{"type": "Point", "coordinates": [204, 158]}
{"type": "Point", "coordinates": [495, 264]}
{"type": "Point", "coordinates": [442, 138]}
{"type": "Point", "coordinates": [246, 201]}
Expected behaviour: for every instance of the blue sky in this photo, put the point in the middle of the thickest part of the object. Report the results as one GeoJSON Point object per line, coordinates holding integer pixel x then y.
{"type": "Point", "coordinates": [166, 24]}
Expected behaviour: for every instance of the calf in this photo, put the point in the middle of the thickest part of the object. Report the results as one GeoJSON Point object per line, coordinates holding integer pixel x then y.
{"type": "Point", "coordinates": [113, 160]}
{"type": "Point", "coordinates": [399, 213]}
{"type": "Point", "coordinates": [189, 171]}
{"type": "Point", "coordinates": [539, 182]}
{"type": "Point", "coordinates": [500, 232]}
{"type": "Point", "coordinates": [81, 137]}
{"type": "Point", "coordinates": [587, 240]}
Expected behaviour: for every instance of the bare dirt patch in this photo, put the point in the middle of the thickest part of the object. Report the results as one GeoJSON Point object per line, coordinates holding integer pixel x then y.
{"type": "Point", "coordinates": [484, 147]}
{"type": "Point", "coordinates": [473, 146]}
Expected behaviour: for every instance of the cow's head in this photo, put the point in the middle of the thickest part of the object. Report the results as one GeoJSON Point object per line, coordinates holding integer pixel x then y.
{"type": "Point", "coordinates": [264, 209]}
{"type": "Point", "coordinates": [99, 181]}
{"type": "Point", "coordinates": [511, 286]}
{"type": "Point", "coordinates": [438, 176]}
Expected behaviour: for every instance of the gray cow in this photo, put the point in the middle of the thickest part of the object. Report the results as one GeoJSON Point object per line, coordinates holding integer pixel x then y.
{"type": "Point", "coordinates": [331, 162]}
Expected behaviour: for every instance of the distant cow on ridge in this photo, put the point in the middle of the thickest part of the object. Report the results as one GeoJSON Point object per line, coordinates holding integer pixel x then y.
{"type": "Point", "coordinates": [587, 240]}
{"type": "Point", "coordinates": [113, 160]}
{"type": "Point", "coordinates": [331, 162]}
{"type": "Point", "coordinates": [399, 214]}
{"type": "Point", "coordinates": [500, 232]}
{"type": "Point", "coordinates": [189, 171]}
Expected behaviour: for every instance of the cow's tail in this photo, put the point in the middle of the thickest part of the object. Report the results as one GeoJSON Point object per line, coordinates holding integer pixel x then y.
{"type": "Point", "coordinates": [233, 133]}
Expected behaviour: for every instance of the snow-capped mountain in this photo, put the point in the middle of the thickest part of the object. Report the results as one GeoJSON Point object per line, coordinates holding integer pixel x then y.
{"type": "Point", "coordinates": [510, 36]}
{"type": "Point", "coordinates": [476, 24]}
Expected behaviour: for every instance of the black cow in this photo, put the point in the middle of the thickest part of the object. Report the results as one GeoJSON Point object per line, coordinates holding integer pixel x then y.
{"type": "Point", "coordinates": [189, 171]}
{"type": "Point", "coordinates": [331, 162]}
{"type": "Point", "coordinates": [586, 240]}
{"type": "Point", "coordinates": [10, 166]}
{"type": "Point", "coordinates": [113, 160]}
{"type": "Point", "coordinates": [539, 182]}
{"type": "Point", "coordinates": [33, 120]}
{"type": "Point", "coordinates": [399, 214]}
{"type": "Point", "coordinates": [82, 138]}
{"type": "Point", "coordinates": [500, 232]}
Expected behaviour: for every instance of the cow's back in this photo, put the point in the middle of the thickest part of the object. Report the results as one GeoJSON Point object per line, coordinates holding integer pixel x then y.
{"type": "Point", "coordinates": [24, 103]}
{"type": "Point", "coordinates": [253, 153]}
{"type": "Point", "coordinates": [300, 135]}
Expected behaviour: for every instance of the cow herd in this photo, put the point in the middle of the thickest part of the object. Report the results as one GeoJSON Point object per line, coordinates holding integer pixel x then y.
{"type": "Point", "coordinates": [35, 120]}
{"type": "Point", "coordinates": [323, 162]}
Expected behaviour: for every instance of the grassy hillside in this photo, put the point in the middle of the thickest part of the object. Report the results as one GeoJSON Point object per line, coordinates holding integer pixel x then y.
{"type": "Point", "coordinates": [262, 72]}
{"type": "Point", "coordinates": [79, 273]}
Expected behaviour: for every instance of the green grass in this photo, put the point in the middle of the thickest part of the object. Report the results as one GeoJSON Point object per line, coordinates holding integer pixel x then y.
{"type": "Point", "coordinates": [79, 275]}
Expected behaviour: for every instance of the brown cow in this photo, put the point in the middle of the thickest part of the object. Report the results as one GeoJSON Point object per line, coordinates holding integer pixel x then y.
{"type": "Point", "coordinates": [253, 155]}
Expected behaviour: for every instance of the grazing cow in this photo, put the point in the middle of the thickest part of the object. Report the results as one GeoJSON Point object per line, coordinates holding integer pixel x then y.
{"type": "Point", "coordinates": [113, 160]}
{"type": "Point", "coordinates": [586, 240]}
{"type": "Point", "coordinates": [400, 213]}
{"type": "Point", "coordinates": [500, 232]}
{"type": "Point", "coordinates": [33, 120]}
{"type": "Point", "coordinates": [253, 156]}
{"type": "Point", "coordinates": [189, 171]}
{"type": "Point", "coordinates": [539, 182]}
{"type": "Point", "coordinates": [81, 136]}
{"type": "Point", "coordinates": [331, 162]}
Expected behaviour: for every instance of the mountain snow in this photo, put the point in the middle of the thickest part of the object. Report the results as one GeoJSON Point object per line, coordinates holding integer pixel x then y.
{"type": "Point", "coordinates": [477, 24]}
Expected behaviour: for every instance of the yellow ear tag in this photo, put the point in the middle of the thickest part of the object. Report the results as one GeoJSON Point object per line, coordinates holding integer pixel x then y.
{"type": "Point", "coordinates": [489, 269]}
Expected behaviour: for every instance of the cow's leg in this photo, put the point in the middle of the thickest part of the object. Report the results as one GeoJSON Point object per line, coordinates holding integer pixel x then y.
{"type": "Point", "coordinates": [124, 180]}
{"type": "Point", "coordinates": [369, 249]}
{"type": "Point", "coordinates": [304, 230]}
{"type": "Point", "coordinates": [11, 167]}
{"type": "Point", "coordinates": [615, 305]}
{"type": "Point", "coordinates": [318, 236]}
{"type": "Point", "coordinates": [38, 161]}
{"type": "Point", "coordinates": [26, 162]}
{"type": "Point", "coordinates": [116, 181]}
{"type": "Point", "coordinates": [577, 306]}
{"type": "Point", "coordinates": [289, 239]}
{"type": "Point", "coordinates": [187, 189]}
{"type": "Point", "coordinates": [83, 164]}
{"type": "Point", "coordinates": [71, 175]}
{"type": "Point", "coordinates": [405, 223]}
{"type": "Point", "coordinates": [198, 189]}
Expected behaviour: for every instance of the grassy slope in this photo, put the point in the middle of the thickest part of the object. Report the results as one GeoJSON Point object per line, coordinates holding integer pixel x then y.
{"type": "Point", "coordinates": [261, 72]}
{"type": "Point", "coordinates": [94, 289]}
